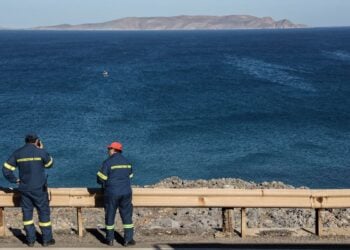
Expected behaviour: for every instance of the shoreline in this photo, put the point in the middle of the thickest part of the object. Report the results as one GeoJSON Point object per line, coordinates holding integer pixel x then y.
{"type": "Point", "coordinates": [235, 183]}
{"type": "Point", "coordinates": [174, 30]}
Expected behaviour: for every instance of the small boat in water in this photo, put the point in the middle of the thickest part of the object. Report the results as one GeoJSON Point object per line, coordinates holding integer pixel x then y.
{"type": "Point", "coordinates": [105, 73]}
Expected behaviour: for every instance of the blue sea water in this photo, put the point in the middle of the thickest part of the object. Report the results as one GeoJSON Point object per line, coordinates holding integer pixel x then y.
{"type": "Point", "coordinates": [260, 105]}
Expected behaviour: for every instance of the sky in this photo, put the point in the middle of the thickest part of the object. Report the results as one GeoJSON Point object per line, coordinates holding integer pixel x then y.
{"type": "Point", "coordinates": [31, 13]}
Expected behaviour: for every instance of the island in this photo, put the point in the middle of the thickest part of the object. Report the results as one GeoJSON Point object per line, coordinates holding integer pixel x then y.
{"type": "Point", "coordinates": [182, 23]}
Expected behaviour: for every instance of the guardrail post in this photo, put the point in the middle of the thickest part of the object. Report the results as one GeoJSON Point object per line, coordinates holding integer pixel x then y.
{"type": "Point", "coordinates": [2, 222]}
{"type": "Point", "coordinates": [318, 222]}
{"type": "Point", "coordinates": [228, 222]}
{"type": "Point", "coordinates": [243, 223]}
{"type": "Point", "coordinates": [80, 222]}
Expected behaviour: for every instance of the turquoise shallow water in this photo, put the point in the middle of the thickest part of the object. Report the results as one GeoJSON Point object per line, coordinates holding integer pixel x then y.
{"type": "Point", "coordinates": [259, 105]}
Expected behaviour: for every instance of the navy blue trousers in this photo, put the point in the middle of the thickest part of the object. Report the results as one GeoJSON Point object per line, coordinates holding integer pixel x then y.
{"type": "Point", "coordinates": [124, 204]}
{"type": "Point", "coordinates": [36, 199]}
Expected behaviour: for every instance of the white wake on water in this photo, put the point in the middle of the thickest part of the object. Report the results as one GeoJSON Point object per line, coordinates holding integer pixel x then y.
{"type": "Point", "coordinates": [338, 55]}
{"type": "Point", "coordinates": [274, 73]}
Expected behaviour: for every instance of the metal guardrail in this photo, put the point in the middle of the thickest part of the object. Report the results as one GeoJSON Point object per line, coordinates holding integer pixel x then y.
{"type": "Point", "coordinates": [195, 198]}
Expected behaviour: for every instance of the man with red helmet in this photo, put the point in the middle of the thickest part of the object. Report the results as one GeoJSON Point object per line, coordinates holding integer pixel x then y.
{"type": "Point", "coordinates": [114, 176]}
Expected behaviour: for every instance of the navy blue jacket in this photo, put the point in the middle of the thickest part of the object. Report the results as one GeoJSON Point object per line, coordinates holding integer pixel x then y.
{"type": "Point", "coordinates": [115, 175]}
{"type": "Point", "coordinates": [31, 163]}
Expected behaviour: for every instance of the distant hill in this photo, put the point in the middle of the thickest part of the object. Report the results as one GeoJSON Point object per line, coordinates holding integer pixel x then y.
{"type": "Point", "coordinates": [182, 23]}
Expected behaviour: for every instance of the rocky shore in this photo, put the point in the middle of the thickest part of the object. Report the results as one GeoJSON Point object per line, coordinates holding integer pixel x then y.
{"type": "Point", "coordinates": [196, 221]}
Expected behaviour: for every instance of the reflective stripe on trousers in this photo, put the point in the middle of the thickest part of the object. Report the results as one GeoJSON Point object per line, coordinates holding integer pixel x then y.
{"type": "Point", "coordinates": [124, 204]}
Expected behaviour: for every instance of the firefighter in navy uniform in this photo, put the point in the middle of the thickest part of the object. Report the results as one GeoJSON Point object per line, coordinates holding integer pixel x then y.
{"type": "Point", "coordinates": [115, 175]}
{"type": "Point", "coordinates": [31, 161]}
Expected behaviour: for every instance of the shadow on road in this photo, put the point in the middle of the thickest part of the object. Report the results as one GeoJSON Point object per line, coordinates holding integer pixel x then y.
{"type": "Point", "coordinates": [100, 235]}
{"type": "Point", "coordinates": [19, 235]}
{"type": "Point", "coordinates": [97, 234]}
{"type": "Point", "coordinates": [255, 246]}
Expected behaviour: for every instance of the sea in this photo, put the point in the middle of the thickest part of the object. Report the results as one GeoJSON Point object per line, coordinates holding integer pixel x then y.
{"type": "Point", "coordinates": [260, 105]}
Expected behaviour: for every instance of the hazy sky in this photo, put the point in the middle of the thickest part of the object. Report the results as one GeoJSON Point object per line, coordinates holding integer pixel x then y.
{"type": "Point", "coordinates": [29, 13]}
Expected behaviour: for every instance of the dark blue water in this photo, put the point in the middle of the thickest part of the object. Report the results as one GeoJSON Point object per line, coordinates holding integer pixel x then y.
{"type": "Point", "coordinates": [259, 105]}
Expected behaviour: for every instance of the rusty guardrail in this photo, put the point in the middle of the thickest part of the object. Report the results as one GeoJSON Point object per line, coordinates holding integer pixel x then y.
{"type": "Point", "coordinates": [195, 198]}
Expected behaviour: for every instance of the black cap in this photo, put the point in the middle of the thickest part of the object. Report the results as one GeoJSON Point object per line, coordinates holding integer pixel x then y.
{"type": "Point", "coordinates": [31, 138]}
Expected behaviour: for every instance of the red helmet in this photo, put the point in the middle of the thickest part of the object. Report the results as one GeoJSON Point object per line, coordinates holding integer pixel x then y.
{"type": "Point", "coordinates": [116, 145]}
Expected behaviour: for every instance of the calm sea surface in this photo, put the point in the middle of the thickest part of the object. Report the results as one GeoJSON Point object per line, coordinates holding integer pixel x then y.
{"type": "Point", "coordinates": [260, 105]}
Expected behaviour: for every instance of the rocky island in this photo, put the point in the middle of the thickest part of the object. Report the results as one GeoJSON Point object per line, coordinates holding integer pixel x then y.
{"type": "Point", "coordinates": [182, 23]}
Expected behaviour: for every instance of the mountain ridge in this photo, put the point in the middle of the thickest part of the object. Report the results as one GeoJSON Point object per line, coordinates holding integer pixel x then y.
{"type": "Point", "coordinates": [183, 22]}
